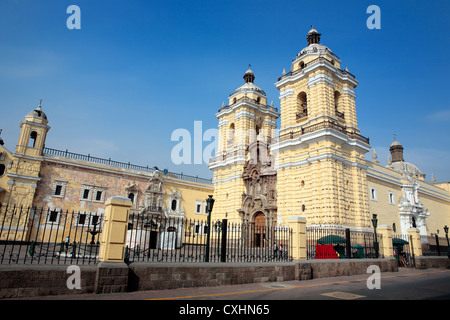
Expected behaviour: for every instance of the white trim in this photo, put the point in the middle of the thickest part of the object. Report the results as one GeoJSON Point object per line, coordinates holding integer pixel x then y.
{"type": "Point", "coordinates": [320, 135]}
{"type": "Point", "coordinates": [286, 93]}
{"type": "Point", "coordinates": [318, 78]}
{"type": "Point", "coordinates": [244, 114]}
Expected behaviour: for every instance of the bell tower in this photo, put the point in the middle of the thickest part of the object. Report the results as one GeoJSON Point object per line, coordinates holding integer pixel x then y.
{"type": "Point", "coordinates": [33, 133]}
{"type": "Point", "coordinates": [246, 120]}
{"type": "Point", "coordinates": [26, 165]}
{"type": "Point", "coordinates": [320, 161]}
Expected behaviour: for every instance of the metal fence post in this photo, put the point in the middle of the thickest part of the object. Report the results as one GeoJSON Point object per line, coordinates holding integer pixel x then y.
{"type": "Point", "coordinates": [348, 248]}
{"type": "Point", "coordinates": [223, 254]}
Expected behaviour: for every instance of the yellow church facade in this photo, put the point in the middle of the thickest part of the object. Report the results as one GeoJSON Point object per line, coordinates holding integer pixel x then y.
{"type": "Point", "coordinates": [316, 167]}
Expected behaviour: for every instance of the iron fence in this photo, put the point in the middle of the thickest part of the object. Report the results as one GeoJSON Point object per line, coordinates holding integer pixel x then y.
{"type": "Point", "coordinates": [31, 235]}
{"type": "Point", "coordinates": [433, 245]}
{"type": "Point", "coordinates": [403, 250]}
{"type": "Point", "coordinates": [176, 239]}
{"type": "Point", "coordinates": [334, 243]}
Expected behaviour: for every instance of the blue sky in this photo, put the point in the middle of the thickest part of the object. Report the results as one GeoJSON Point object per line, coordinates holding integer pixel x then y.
{"type": "Point", "coordinates": [138, 70]}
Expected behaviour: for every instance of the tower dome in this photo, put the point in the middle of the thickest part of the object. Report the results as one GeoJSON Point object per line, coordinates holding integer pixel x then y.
{"type": "Point", "coordinates": [38, 113]}
{"type": "Point", "coordinates": [315, 48]}
{"type": "Point", "coordinates": [249, 86]}
{"type": "Point", "coordinates": [400, 165]}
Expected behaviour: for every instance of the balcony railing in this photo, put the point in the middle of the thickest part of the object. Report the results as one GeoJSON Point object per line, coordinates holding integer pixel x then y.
{"type": "Point", "coordinates": [117, 164]}
{"type": "Point", "coordinates": [320, 126]}
{"type": "Point", "coordinates": [244, 98]}
{"type": "Point", "coordinates": [300, 115]}
{"type": "Point", "coordinates": [340, 114]}
{"type": "Point", "coordinates": [291, 73]}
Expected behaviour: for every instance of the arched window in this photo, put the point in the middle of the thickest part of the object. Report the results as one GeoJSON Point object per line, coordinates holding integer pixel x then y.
{"type": "Point", "coordinates": [2, 169]}
{"type": "Point", "coordinates": [302, 105]}
{"type": "Point", "coordinates": [174, 205]}
{"type": "Point", "coordinates": [230, 139]}
{"type": "Point", "coordinates": [32, 141]}
{"type": "Point", "coordinates": [131, 197]}
{"type": "Point", "coordinates": [337, 105]}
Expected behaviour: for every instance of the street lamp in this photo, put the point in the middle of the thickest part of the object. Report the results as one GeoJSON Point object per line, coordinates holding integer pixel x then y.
{"type": "Point", "coordinates": [446, 235]}
{"type": "Point", "coordinates": [209, 207]}
{"type": "Point", "coordinates": [375, 223]}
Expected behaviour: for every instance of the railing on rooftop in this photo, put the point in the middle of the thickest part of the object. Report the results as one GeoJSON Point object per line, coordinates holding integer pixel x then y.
{"type": "Point", "coordinates": [117, 164]}
{"type": "Point", "coordinates": [244, 98]}
{"type": "Point", "coordinates": [319, 126]}
{"type": "Point", "coordinates": [291, 73]}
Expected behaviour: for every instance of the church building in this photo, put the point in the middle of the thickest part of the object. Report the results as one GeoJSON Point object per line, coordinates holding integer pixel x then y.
{"type": "Point", "coordinates": [34, 175]}
{"type": "Point", "coordinates": [316, 167]}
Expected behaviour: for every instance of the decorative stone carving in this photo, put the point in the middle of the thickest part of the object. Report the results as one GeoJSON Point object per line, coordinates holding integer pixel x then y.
{"type": "Point", "coordinates": [260, 181]}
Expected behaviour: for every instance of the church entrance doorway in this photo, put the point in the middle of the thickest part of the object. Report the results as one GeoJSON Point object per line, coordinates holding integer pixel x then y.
{"type": "Point", "coordinates": [259, 229]}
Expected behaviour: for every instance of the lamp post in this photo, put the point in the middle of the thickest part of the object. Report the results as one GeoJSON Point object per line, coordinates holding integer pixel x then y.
{"type": "Point", "coordinates": [209, 207]}
{"type": "Point", "coordinates": [446, 235]}
{"type": "Point", "coordinates": [375, 223]}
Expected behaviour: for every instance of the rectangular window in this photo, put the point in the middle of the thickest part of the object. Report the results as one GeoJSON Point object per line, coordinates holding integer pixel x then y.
{"type": "Point", "coordinates": [199, 206]}
{"type": "Point", "coordinates": [86, 194]}
{"type": "Point", "coordinates": [200, 228]}
{"type": "Point", "coordinates": [59, 188]}
{"type": "Point", "coordinates": [373, 194]}
{"type": "Point", "coordinates": [81, 218]}
{"type": "Point", "coordinates": [391, 198]}
{"type": "Point", "coordinates": [95, 220]}
{"type": "Point", "coordinates": [53, 216]}
{"type": "Point", "coordinates": [98, 196]}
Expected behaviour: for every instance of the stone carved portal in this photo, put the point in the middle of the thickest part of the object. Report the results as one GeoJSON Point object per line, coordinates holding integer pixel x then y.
{"type": "Point", "coordinates": [154, 195]}
{"type": "Point", "coordinates": [259, 201]}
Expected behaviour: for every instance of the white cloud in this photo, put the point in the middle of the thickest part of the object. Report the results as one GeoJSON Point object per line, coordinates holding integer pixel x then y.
{"type": "Point", "coordinates": [439, 116]}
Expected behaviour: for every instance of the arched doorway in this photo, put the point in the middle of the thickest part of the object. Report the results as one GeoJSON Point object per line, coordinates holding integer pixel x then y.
{"type": "Point", "coordinates": [259, 232]}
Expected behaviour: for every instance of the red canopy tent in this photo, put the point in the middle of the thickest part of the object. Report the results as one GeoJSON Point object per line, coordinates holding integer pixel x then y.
{"type": "Point", "coordinates": [325, 251]}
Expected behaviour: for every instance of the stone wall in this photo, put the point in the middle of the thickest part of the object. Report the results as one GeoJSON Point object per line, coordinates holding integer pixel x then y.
{"type": "Point", "coordinates": [28, 281]}
{"type": "Point", "coordinates": [38, 280]}
{"type": "Point", "coordinates": [145, 276]}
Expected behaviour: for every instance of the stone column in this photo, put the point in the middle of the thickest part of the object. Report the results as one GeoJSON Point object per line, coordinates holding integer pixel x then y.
{"type": "Point", "coordinates": [298, 226]}
{"type": "Point", "coordinates": [386, 246]}
{"type": "Point", "coordinates": [112, 272]}
{"type": "Point", "coordinates": [114, 235]}
{"type": "Point", "coordinates": [415, 242]}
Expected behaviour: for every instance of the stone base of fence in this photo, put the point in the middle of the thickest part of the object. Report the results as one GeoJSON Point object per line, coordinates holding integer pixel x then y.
{"type": "Point", "coordinates": [426, 262]}
{"type": "Point", "coordinates": [349, 267]}
{"type": "Point", "coordinates": [41, 280]}
{"type": "Point", "coordinates": [111, 277]}
{"type": "Point", "coordinates": [29, 281]}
